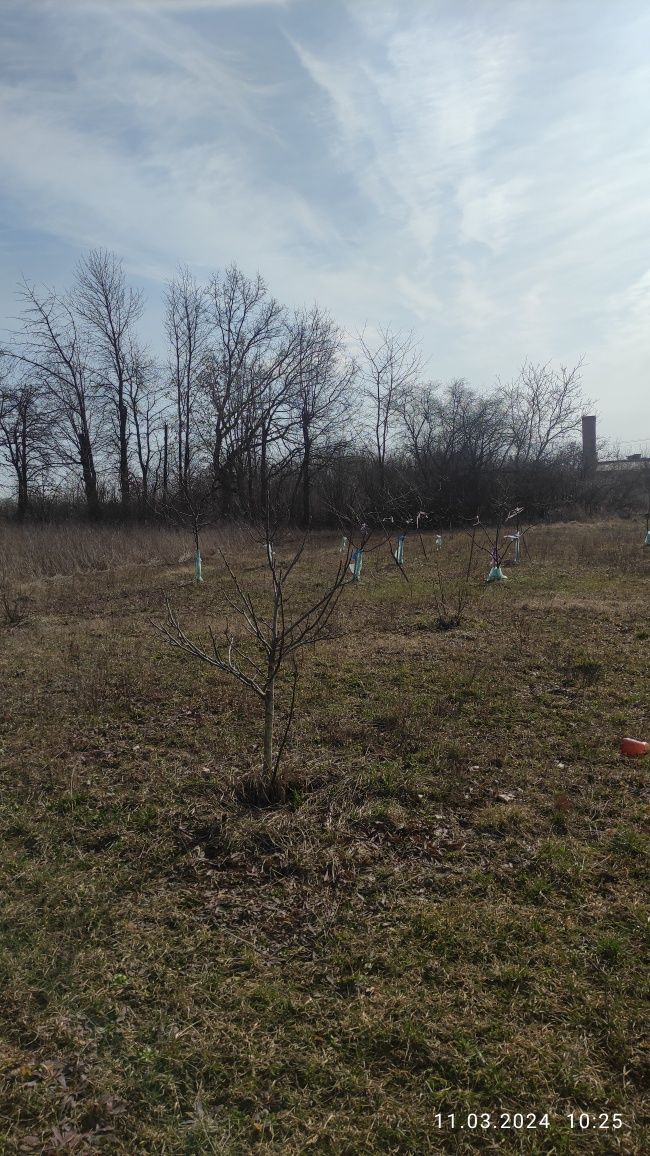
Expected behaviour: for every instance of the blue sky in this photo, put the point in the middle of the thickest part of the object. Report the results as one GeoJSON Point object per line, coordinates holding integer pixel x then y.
{"type": "Point", "coordinates": [475, 170]}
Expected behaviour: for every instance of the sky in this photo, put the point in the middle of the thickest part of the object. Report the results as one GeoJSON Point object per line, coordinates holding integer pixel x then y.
{"type": "Point", "coordinates": [476, 171]}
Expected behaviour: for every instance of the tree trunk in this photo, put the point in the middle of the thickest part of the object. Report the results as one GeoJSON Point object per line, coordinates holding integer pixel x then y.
{"type": "Point", "coordinates": [249, 499]}
{"type": "Point", "coordinates": [264, 477]}
{"type": "Point", "coordinates": [186, 435]}
{"type": "Point", "coordinates": [23, 496]}
{"type": "Point", "coordinates": [89, 475]}
{"type": "Point", "coordinates": [306, 482]}
{"type": "Point", "coordinates": [124, 457]}
{"type": "Point", "coordinates": [23, 477]}
{"type": "Point", "coordinates": [179, 427]}
{"type": "Point", "coordinates": [216, 451]}
{"type": "Point", "coordinates": [267, 763]}
{"type": "Point", "coordinates": [269, 696]}
{"type": "Point", "coordinates": [21, 511]}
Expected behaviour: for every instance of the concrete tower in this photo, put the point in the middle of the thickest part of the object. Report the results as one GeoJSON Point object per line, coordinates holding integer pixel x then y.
{"type": "Point", "coordinates": [589, 453]}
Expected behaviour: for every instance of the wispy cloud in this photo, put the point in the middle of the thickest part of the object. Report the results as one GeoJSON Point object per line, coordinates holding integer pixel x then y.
{"type": "Point", "coordinates": [196, 5]}
{"type": "Point", "coordinates": [410, 121]}
{"type": "Point", "coordinates": [159, 163]}
{"type": "Point", "coordinates": [156, 6]}
{"type": "Point", "coordinates": [476, 171]}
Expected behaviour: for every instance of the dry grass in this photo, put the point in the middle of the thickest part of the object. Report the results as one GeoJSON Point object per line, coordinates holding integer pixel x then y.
{"type": "Point", "coordinates": [50, 551]}
{"type": "Point", "coordinates": [449, 915]}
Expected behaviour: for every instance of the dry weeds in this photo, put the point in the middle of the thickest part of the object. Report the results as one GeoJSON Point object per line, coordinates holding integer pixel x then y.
{"type": "Point", "coordinates": [448, 915]}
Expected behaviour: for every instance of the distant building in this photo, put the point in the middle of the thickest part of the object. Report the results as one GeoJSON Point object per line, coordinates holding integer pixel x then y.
{"type": "Point", "coordinates": [633, 464]}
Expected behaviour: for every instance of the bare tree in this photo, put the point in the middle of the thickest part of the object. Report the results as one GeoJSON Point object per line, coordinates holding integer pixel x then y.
{"type": "Point", "coordinates": [481, 424]}
{"type": "Point", "coordinates": [453, 592]}
{"type": "Point", "coordinates": [456, 440]}
{"type": "Point", "coordinates": [245, 324]}
{"type": "Point", "coordinates": [389, 366]}
{"type": "Point", "coordinates": [186, 326]}
{"type": "Point", "coordinates": [144, 408]}
{"type": "Point", "coordinates": [277, 632]}
{"type": "Point", "coordinates": [273, 410]}
{"type": "Point", "coordinates": [544, 407]}
{"type": "Point", "coordinates": [321, 398]}
{"type": "Point", "coordinates": [53, 344]}
{"type": "Point", "coordinates": [110, 308]}
{"type": "Point", "coordinates": [246, 381]}
{"type": "Point", "coordinates": [24, 429]}
{"type": "Point", "coordinates": [420, 421]}
{"type": "Point", "coordinates": [269, 454]}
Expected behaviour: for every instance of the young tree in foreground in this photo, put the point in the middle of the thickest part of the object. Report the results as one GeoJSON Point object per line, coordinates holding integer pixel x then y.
{"type": "Point", "coordinates": [276, 639]}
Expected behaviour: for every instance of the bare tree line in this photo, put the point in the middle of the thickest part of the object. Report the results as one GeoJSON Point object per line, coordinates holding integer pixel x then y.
{"type": "Point", "coordinates": [257, 406]}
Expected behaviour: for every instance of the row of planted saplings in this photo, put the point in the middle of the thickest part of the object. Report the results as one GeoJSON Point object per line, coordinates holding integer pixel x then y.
{"type": "Point", "coordinates": [495, 542]}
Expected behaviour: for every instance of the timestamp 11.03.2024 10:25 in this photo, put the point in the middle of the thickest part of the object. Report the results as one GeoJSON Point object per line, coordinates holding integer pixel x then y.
{"type": "Point", "coordinates": [524, 1121]}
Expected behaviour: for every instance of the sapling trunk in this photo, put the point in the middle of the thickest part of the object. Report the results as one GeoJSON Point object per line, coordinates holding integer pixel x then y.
{"type": "Point", "coordinates": [269, 690]}
{"type": "Point", "coordinates": [269, 708]}
{"type": "Point", "coordinates": [198, 562]}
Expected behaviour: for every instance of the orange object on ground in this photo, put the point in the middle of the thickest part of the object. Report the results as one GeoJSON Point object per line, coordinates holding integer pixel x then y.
{"type": "Point", "coordinates": [634, 747]}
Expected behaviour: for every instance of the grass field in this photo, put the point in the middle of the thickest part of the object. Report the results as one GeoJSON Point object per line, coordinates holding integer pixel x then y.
{"type": "Point", "coordinates": [449, 914]}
